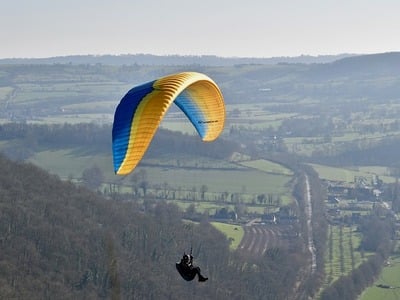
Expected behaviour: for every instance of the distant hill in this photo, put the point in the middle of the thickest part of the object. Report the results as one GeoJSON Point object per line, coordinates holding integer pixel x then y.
{"type": "Point", "coordinates": [152, 60]}
{"type": "Point", "coordinates": [371, 64]}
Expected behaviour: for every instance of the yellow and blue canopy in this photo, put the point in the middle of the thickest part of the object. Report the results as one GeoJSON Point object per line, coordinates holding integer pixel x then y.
{"type": "Point", "coordinates": [141, 110]}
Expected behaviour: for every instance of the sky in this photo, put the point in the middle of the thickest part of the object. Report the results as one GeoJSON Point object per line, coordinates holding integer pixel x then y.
{"type": "Point", "coordinates": [227, 28]}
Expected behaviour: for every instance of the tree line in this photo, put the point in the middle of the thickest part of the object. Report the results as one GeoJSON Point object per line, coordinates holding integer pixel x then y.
{"type": "Point", "coordinates": [25, 139]}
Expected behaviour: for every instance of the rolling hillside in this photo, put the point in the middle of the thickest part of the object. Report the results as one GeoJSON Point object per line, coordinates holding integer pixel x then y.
{"type": "Point", "coordinates": [60, 241]}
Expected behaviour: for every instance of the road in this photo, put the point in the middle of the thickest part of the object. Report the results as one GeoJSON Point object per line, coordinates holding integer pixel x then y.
{"type": "Point", "coordinates": [308, 213]}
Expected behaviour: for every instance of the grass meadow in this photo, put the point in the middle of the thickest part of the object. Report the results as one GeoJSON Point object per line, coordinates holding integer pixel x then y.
{"type": "Point", "coordinates": [390, 277]}
{"type": "Point", "coordinates": [267, 167]}
{"type": "Point", "coordinates": [348, 174]}
{"type": "Point", "coordinates": [233, 233]}
{"type": "Point", "coordinates": [243, 182]}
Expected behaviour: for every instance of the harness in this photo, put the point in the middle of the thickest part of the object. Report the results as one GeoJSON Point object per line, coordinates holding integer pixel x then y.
{"type": "Point", "coordinates": [185, 271]}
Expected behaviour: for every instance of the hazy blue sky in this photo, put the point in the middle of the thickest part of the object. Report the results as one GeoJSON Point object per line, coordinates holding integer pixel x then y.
{"type": "Point", "coordinates": [251, 28]}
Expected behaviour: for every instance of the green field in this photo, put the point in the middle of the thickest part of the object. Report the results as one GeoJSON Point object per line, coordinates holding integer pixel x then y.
{"type": "Point", "coordinates": [234, 233]}
{"type": "Point", "coordinates": [390, 276]}
{"type": "Point", "coordinates": [70, 163]}
{"type": "Point", "coordinates": [348, 174]}
{"type": "Point", "coordinates": [254, 116]}
{"type": "Point", "coordinates": [247, 183]}
{"type": "Point", "coordinates": [232, 181]}
{"type": "Point", "coordinates": [267, 166]}
{"type": "Point", "coordinates": [5, 92]}
{"type": "Point", "coordinates": [307, 146]}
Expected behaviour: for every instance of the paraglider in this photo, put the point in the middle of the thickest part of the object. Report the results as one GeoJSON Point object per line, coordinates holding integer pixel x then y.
{"type": "Point", "coordinates": [187, 270]}
{"type": "Point", "coordinates": [141, 110]}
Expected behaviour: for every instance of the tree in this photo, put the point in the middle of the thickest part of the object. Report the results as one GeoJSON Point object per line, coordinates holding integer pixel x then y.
{"type": "Point", "coordinates": [190, 211]}
{"type": "Point", "coordinates": [92, 177]}
{"type": "Point", "coordinates": [203, 191]}
{"type": "Point", "coordinates": [396, 196]}
{"type": "Point", "coordinates": [134, 179]}
{"type": "Point", "coordinates": [143, 183]}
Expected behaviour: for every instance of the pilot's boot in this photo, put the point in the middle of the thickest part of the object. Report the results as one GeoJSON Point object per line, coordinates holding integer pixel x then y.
{"type": "Point", "coordinates": [202, 278]}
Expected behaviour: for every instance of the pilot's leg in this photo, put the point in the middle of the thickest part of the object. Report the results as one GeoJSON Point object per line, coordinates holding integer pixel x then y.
{"type": "Point", "coordinates": [201, 277]}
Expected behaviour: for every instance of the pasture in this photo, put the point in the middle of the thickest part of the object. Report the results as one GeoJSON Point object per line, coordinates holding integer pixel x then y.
{"type": "Point", "coordinates": [387, 287]}
{"type": "Point", "coordinates": [209, 185]}
{"type": "Point", "coordinates": [267, 166]}
{"type": "Point", "coordinates": [232, 181]}
{"type": "Point", "coordinates": [72, 162]}
{"type": "Point", "coordinates": [233, 233]}
{"type": "Point", "coordinates": [348, 174]}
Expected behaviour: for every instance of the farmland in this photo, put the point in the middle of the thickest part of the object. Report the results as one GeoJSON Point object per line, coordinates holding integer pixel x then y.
{"type": "Point", "coordinates": [248, 182]}
{"type": "Point", "coordinates": [344, 126]}
{"type": "Point", "coordinates": [347, 174]}
{"type": "Point", "coordinates": [387, 285]}
{"type": "Point", "coordinates": [343, 253]}
{"type": "Point", "coordinates": [234, 233]}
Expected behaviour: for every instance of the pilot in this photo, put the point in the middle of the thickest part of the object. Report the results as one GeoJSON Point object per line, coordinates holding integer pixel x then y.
{"type": "Point", "coordinates": [187, 270]}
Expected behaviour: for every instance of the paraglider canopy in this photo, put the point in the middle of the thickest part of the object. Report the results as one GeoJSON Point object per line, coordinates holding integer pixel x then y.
{"type": "Point", "coordinates": [141, 110]}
